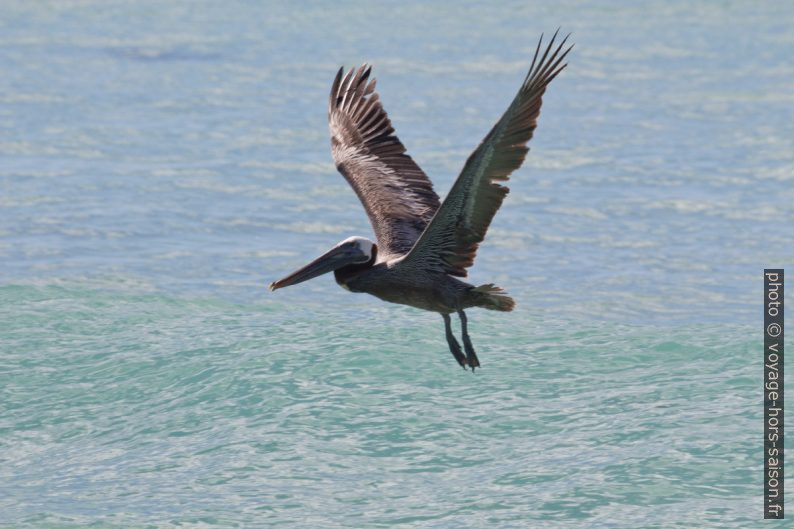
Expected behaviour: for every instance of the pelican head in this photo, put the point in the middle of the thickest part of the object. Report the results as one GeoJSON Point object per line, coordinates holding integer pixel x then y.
{"type": "Point", "coordinates": [353, 251]}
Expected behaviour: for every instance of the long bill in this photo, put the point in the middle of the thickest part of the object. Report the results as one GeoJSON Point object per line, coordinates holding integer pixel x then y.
{"type": "Point", "coordinates": [335, 258]}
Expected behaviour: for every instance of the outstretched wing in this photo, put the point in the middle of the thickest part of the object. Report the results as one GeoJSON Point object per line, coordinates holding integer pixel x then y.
{"type": "Point", "coordinates": [397, 195]}
{"type": "Point", "coordinates": [449, 243]}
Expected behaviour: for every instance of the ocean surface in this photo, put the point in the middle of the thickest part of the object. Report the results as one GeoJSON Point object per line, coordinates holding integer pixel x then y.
{"type": "Point", "coordinates": [161, 163]}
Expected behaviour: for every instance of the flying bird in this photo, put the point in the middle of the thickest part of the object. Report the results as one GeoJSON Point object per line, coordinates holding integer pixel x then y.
{"type": "Point", "coordinates": [424, 245]}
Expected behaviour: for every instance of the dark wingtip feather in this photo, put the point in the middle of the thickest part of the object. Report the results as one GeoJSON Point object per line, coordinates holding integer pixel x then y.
{"type": "Point", "coordinates": [549, 66]}
{"type": "Point", "coordinates": [332, 99]}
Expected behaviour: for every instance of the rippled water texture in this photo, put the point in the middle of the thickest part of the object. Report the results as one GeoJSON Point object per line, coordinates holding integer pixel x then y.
{"type": "Point", "coordinates": [162, 163]}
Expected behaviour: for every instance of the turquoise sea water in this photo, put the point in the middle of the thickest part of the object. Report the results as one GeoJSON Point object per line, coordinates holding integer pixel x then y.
{"type": "Point", "coordinates": [162, 164]}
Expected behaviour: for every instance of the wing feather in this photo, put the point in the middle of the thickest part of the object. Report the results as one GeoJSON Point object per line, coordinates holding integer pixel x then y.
{"type": "Point", "coordinates": [450, 241]}
{"type": "Point", "coordinates": [396, 194]}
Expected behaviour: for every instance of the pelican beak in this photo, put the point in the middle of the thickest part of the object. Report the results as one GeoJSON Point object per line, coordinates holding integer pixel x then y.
{"type": "Point", "coordinates": [335, 258]}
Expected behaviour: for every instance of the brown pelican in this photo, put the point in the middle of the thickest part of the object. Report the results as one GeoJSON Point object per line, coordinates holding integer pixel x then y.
{"type": "Point", "coordinates": [423, 245]}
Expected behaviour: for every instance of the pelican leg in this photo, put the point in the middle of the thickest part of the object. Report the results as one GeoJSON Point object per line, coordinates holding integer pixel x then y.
{"type": "Point", "coordinates": [471, 356]}
{"type": "Point", "coordinates": [454, 346]}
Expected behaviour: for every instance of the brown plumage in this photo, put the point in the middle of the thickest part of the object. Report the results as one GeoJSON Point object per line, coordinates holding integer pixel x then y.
{"type": "Point", "coordinates": [450, 241]}
{"type": "Point", "coordinates": [421, 245]}
{"type": "Point", "coordinates": [397, 195]}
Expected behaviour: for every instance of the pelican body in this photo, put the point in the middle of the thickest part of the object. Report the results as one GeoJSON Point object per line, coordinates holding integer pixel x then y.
{"type": "Point", "coordinates": [424, 246]}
